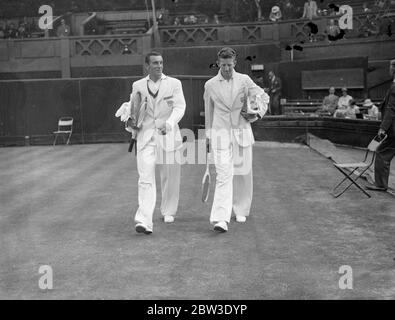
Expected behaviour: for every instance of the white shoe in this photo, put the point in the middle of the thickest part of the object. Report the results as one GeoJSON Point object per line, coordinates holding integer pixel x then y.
{"type": "Point", "coordinates": [241, 219]}
{"type": "Point", "coordinates": [142, 228]}
{"type": "Point", "coordinates": [221, 226]}
{"type": "Point", "coordinates": [168, 219]}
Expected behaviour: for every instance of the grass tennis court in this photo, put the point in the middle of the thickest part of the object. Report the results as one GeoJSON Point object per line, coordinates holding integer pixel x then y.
{"type": "Point", "coordinates": [72, 208]}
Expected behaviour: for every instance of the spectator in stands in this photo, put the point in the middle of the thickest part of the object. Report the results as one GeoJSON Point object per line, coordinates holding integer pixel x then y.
{"type": "Point", "coordinates": [191, 19]}
{"type": "Point", "coordinates": [344, 100]}
{"type": "Point", "coordinates": [275, 14]}
{"type": "Point", "coordinates": [160, 19]}
{"type": "Point", "coordinates": [310, 10]}
{"type": "Point", "coordinates": [385, 27]}
{"type": "Point", "coordinates": [216, 19]}
{"type": "Point", "coordinates": [30, 27]}
{"type": "Point", "coordinates": [177, 21]}
{"type": "Point", "coordinates": [258, 8]}
{"type": "Point", "coordinates": [311, 29]}
{"type": "Point", "coordinates": [329, 104]}
{"type": "Point", "coordinates": [352, 110]}
{"type": "Point", "coordinates": [332, 30]}
{"type": "Point", "coordinates": [369, 27]}
{"type": "Point", "coordinates": [11, 32]}
{"type": "Point", "coordinates": [63, 30]}
{"type": "Point", "coordinates": [22, 30]}
{"type": "Point", "coordinates": [274, 93]}
{"type": "Point", "coordinates": [373, 111]}
{"type": "Point", "coordinates": [289, 10]}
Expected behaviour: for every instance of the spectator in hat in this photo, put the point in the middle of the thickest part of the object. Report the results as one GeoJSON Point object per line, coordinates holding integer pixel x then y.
{"type": "Point", "coordinates": [191, 19]}
{"type": "Point", "coordinates": [275, 14]}
{"type": "Point", "coordinates": [373, 111]}
{"type": "Point", "coordinates": [344, 100]}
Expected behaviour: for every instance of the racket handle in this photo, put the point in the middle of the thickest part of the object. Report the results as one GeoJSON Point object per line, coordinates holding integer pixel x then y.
{"type": "Point", "coordinates": [131, 144]}
{"type": "Point", "coordinates": [208, 145]}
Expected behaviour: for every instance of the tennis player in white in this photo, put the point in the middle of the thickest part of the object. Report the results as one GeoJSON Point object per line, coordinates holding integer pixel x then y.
{"type": "Point", "coordinates": [228, 97]}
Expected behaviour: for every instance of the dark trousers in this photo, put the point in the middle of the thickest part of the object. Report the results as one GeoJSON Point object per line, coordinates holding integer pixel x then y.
{"type": "Point", "coordinates": [275, 108]}
{"type": "Point", "coordinates": [384, 154]}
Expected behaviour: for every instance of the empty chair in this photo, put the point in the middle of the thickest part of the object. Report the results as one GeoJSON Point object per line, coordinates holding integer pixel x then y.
{"type": "Point", "coordinates": [65, 127]}
{"type": "Point", "coordinates": [354, 166]}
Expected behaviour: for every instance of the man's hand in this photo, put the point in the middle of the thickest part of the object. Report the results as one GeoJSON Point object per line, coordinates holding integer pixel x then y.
{"type": "Point", "coordinates": [381, 133]}
{"type": "Point", "coordinates": [249, 117]}
{"type": "Point", "coordinates": [164, 129]}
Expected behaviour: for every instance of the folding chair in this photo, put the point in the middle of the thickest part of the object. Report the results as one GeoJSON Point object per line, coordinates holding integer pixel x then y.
{"type": "Point", "coordinates": [62, 123]}
{"type": "Point", "coordinates": [364, 166]}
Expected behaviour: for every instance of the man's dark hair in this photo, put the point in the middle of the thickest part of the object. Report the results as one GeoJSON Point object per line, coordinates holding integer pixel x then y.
{"type": "Point", "coordinates": [149, 55]}
{"type": "Point", "coordinates": [226, 53]}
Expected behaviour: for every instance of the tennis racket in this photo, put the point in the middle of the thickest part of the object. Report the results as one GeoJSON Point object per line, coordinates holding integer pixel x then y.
{"type": "Point", "coordinates": [206, 178]}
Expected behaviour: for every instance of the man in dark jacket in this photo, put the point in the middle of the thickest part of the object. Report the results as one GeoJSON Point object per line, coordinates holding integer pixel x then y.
{"type": "Point", "coordinates": [275, 94]}
{"type": "Point", "coordinates": [386, 151]}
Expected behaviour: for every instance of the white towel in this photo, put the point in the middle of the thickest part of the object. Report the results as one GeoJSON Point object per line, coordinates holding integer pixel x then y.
{"type": "Point", "coordinates": [124, 112]}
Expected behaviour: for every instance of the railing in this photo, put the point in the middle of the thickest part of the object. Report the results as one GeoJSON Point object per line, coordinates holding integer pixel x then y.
{"type": "Point", "coordinates": [107, 45]}
{"type": "Point", "coordinates": [290, 30]}
{"type": "Point", "coordinates": [62, 54]}
{"type": "Point", "coordinates": [215, 34]}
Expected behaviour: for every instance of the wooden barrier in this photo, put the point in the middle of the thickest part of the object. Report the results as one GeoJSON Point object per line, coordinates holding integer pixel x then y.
{"type": "Point", "coordinates": [64, 54]}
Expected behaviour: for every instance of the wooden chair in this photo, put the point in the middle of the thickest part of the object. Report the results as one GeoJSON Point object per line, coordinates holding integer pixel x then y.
{"type": "Point", "coordinates": [65, 126]}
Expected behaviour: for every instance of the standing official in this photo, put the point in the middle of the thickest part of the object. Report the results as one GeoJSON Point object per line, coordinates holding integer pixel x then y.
{"type": "Point", "coordinates": [386, 151]}
{"type": "Point", "coordinates": [275, 93]}
{"type": "Point", "coordinates": [227, 97]}
{"type": "Point", "coordinates": [158, 140]}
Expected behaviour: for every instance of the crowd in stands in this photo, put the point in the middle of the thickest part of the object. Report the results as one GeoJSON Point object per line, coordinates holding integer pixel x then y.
{"type": "Point", "coordinates": [283, 10]}
{"type": "Point", "coordinates": [216, 12]}
{"type": "Point", "coordinates": [346, 106]}
{"type": "Point", "coordinates": [23, 29]}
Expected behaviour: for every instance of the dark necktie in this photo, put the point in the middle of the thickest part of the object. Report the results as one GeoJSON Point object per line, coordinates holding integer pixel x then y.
{"type": "Point", "coordinates": [153, 95]}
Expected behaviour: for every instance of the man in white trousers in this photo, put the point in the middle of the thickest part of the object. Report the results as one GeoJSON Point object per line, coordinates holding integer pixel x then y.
{"type": "Point", "coordinates": [158, 141]}
{"type": "Point", "coordinates": [230, 136]}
